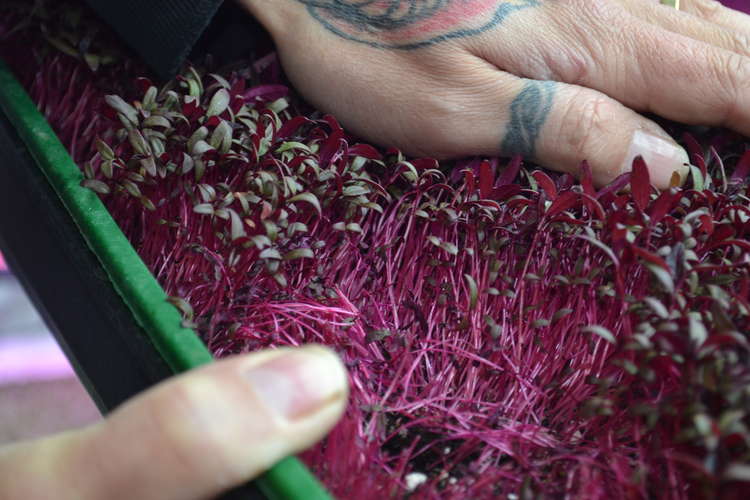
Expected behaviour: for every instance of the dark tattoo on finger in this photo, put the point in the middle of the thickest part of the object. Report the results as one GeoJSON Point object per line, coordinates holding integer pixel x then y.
{"type": "Point", "coordinates": [411, 24]}
{"type": "Point", "coordinates": [528, 112]}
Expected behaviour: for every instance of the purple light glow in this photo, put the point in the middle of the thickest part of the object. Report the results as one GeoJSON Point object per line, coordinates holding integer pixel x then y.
{"type": "Point", "coordinates": [741, 5]}
{"type": "Point", "coordinates": [32, 360]}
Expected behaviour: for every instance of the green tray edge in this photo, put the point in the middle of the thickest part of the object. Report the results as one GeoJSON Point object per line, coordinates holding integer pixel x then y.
{"type": "Point", "coordinates": [180, 347]}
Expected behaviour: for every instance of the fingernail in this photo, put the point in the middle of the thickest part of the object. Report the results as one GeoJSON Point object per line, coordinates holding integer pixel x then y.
{"type": "Point", "coordinates": [663, 158]}
{"type": "Point", "coordinates": [680, 176]}
{"type": "Point", "coordinates": [299, 382]}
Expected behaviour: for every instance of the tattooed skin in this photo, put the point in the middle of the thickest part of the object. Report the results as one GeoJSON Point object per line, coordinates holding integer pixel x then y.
{"type": "Point", "coordinates": [528, 112]}
{"type": "Point", "coordinates": [414, 24]}
{"type": "Point", "coordinates": [411, 24]}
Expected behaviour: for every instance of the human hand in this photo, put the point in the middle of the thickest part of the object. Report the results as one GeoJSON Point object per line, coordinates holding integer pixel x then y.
{"type": "Point", "coordinates": [190, 437]}
{"type": "Point", "coordinates": [557, 80]}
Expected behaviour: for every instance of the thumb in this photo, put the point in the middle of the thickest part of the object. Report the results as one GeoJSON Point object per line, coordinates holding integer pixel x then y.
{"type": "Point", "coordinates": [193, 436]}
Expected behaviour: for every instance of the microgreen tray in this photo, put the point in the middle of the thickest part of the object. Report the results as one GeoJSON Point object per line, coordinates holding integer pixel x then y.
{"type": "Point", "coordinates": [178, 347]}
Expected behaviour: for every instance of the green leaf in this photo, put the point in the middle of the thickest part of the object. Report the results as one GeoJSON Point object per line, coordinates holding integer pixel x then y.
{"type": "Point", "coordinates": [730, 420]}
{"type": "Point", "coordinates": [200, 169]}
{"type": "Point", "coordinates": [602, 332]}
{"type": "Point", "coordinates": [662, 276]}
{"type": "Point", "coordinates": [702, 423]}
{"type": "Point", "coordinates": [355, 190]}
{"type": "Point", "coordinates": [698, 182]}
{"type": "Point", "coordinates": [132, 188]}
{"type": "Point", "coordinates": [200, 134]}
{"type": "Point", "coordinates": [290, 145]}
{"type": "Point", "coordinates": [561, 314]}
{"type": "Point", "coordinates": [657, 306]}
{"type": "Point", "coordinates": [96, 186]}
{"type": "Point", "coordinates": [561, 279]}
{"type": "Point", "coordinates": [148, 204]}
{"type": "Point", "coordinates": [104, 150]}
{"type": "Point", "coordinates": [261, 241]}
{"type": "Point", "coordinates": [221, 213]}
{"type": "Point", "coordinates": [187, 163]}
{"type": "Point", "coordinates": [696, 328]}
{"type": "Point", "coordinates": [280, 279]}
{"type": "Point", "coordinates": [297, 227]}
{"type": "Point", "coordinates": [377, 335]}
{"type": "Point", "coordinates": [186, 310]}
{"type": "Point", "coordinates": [272, 229]}
{"type": "Point", "coordinates": [278, 105]}
{"type": "Point", "coordinates": [149, 98]}
{"type": "Point", "coordinates": [270, 253]}
{"type": "Point", "coordinates": [204, 208]}
{"type": "Point", "coordinates": [201, 147]}
{"type": "Point", "coordinates": [473, 291]}
{"type": "Point", "coordinates": [601, 246]}
{"type": "Point", "coordinates": [237, 226]}
{"type": "Point", "coordinates": [449, 247]}
{"type": "Point", "coordinates": [221, 139]}
{"type": "Point", "coordinates": [149, 165]}
{"type": "Point", "coordinates": [155, 121]}
{"type": "Point", "coordinates": [138, 142]}
{"type": "Point", "coordinates": [107, 169]}
{"type": "Point", "coordinates": [495, 329]}
{"type": "Point", "coordinates": [308, 198]}
{"type": "Point", "coordinates": [122, 107]}
{"type": "Point", "coordinates": [219, 103]}
{"type": "Point", "coordinates": [737, 472]}
{"type": "Point", "coordinates": [299, 253]}
{"type": "Point", "coordinates": [411, 174]}
{"type": "Point", "coordinates": [207, 192]}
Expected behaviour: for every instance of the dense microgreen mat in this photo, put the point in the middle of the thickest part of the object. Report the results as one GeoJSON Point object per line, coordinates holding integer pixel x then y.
{"type": "Point", "coordinates": [508, 330]}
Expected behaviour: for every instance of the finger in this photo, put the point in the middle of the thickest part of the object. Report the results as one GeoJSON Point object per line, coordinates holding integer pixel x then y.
{"type": "Point", "coordinates": [715, 12]}
{"type": "Point", "coordinates": [191, 437]}
{"type": "Point", "coordinates": [735, 39]}
{"type": "Point", "coordinates": [559, 125]}
{"type": "Point", "coordinates": [584, 124]}
{"type": "Point", "coordinates": [649, 69]}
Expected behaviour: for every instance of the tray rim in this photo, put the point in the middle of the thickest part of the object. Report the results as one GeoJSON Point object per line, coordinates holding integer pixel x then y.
{"type": "Point", "coordinates": [180, 347]}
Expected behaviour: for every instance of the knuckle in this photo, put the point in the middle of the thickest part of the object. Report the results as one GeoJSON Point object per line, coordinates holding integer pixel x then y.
{"type": "Point", "coordinates": [569, 65]}
{"type": "Point", "coordinates": [594, 6]}
{"type": "Point", "coordinates": [734, 73]}
{"type": "Point", "coordinates": [585, 121]}
{"type": "Point", "coordinates": [736, 66]}
{"type": "Point", "coordinates": [590, 25]}
{"type": "Point", "coordinates": [592, 13]}
{"type": "Point", "coordinates": [740, 43]}
{"type": "Point", "coordinates": [707, 9]}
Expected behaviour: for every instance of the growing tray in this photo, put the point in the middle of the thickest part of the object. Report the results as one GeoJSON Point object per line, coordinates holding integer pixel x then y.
{"type": "Point", "coordinates": [107, 311]}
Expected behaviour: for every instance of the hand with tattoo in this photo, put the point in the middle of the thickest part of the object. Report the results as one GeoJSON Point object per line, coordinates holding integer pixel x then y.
{"type": "Point", "coordinates": [559, 81]}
